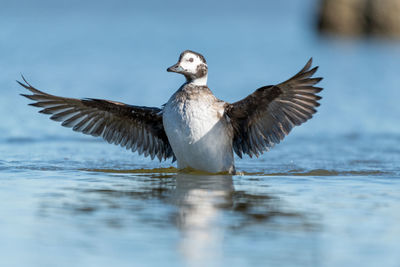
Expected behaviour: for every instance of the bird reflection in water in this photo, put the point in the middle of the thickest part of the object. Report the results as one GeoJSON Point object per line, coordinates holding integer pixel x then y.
{"type": "Point", "coordinates": [206, 209]}
{"type": "Point", "coordinates": [200, 198]}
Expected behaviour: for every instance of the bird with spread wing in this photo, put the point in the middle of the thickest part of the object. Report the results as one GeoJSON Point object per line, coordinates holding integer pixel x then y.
{"type": "Point", "coordinates": [194, 128]}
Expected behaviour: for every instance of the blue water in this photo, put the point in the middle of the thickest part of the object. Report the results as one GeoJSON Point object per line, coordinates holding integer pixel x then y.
{"type": "Point", "coordinates": [326, 196]}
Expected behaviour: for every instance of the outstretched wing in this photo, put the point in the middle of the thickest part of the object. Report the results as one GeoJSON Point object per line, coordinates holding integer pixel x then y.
{"type": "Point", "coordinates": [132, 127]}
{"type": "Point", "coordinates": [265, 117]}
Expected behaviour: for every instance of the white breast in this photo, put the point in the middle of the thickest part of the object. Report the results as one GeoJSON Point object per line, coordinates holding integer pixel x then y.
{"type": "Point", "coordinates": [198, 134]}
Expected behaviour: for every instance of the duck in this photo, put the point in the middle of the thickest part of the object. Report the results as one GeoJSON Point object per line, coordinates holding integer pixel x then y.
{"type": "Point", "coordinates": [194, 128]}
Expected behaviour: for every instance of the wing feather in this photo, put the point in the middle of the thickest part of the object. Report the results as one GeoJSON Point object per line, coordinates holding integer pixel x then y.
{"type": "Point", "coordinates": [265, 117]}
{"type": "Point", "coordinates": [132, 127]}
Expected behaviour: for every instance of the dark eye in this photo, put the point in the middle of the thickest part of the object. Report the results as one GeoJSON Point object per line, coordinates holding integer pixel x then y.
{"type": "Point", "coordinates": [191, 59]}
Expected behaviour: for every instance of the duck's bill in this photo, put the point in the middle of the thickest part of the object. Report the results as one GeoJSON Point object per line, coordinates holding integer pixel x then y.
{"type": "Point", "coordinates": [175, 68]}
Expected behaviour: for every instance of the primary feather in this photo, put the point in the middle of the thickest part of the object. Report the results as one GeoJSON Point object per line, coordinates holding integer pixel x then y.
{"type": "Point", "coordinates": [133, 127]}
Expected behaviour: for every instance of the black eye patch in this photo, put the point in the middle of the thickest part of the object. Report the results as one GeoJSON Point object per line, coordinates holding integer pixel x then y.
{"type": "Point", "coordinates": [191, 59]}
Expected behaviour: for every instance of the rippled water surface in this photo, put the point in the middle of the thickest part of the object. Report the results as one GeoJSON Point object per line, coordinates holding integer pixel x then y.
{"type": "Point", "coordinates": [61, 203]}
{"type": "Point", "coordinates": [328, 195]}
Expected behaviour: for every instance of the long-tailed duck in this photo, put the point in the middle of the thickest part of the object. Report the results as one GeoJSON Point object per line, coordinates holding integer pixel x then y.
{"type": "Point", "coordinates": [193, 127]}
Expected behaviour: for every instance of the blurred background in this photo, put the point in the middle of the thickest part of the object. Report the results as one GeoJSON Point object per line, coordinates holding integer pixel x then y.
{"type": "Point", "coordinates": [120, 50]}
{"type": "Point", "coordinates": [327, 196]}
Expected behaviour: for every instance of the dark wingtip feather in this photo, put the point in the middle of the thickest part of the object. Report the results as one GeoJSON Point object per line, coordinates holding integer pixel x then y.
{"type": "Point", "coordinates": [310, 61]}
{"type": "Point", "coordinates": [37, 104]}
{"type": "Point", "coordinates": [23, 78]}
{"type": "Point", "coordinates": [317, 89]}
{"type": "Point", "coordinates": [31, 97]}
{"type": "Point", "coordinates": [23, 85]}
{"type": "Point", "coordinates": [308, 65]}
{"type": "Point", "coordinates": [28, 86]}
{"type": "Point", "coordinates": [312, 71]}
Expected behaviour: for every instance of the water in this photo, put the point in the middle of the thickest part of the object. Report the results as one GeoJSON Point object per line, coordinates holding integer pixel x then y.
{"type": "Point", "coordinates": [326, 196]}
